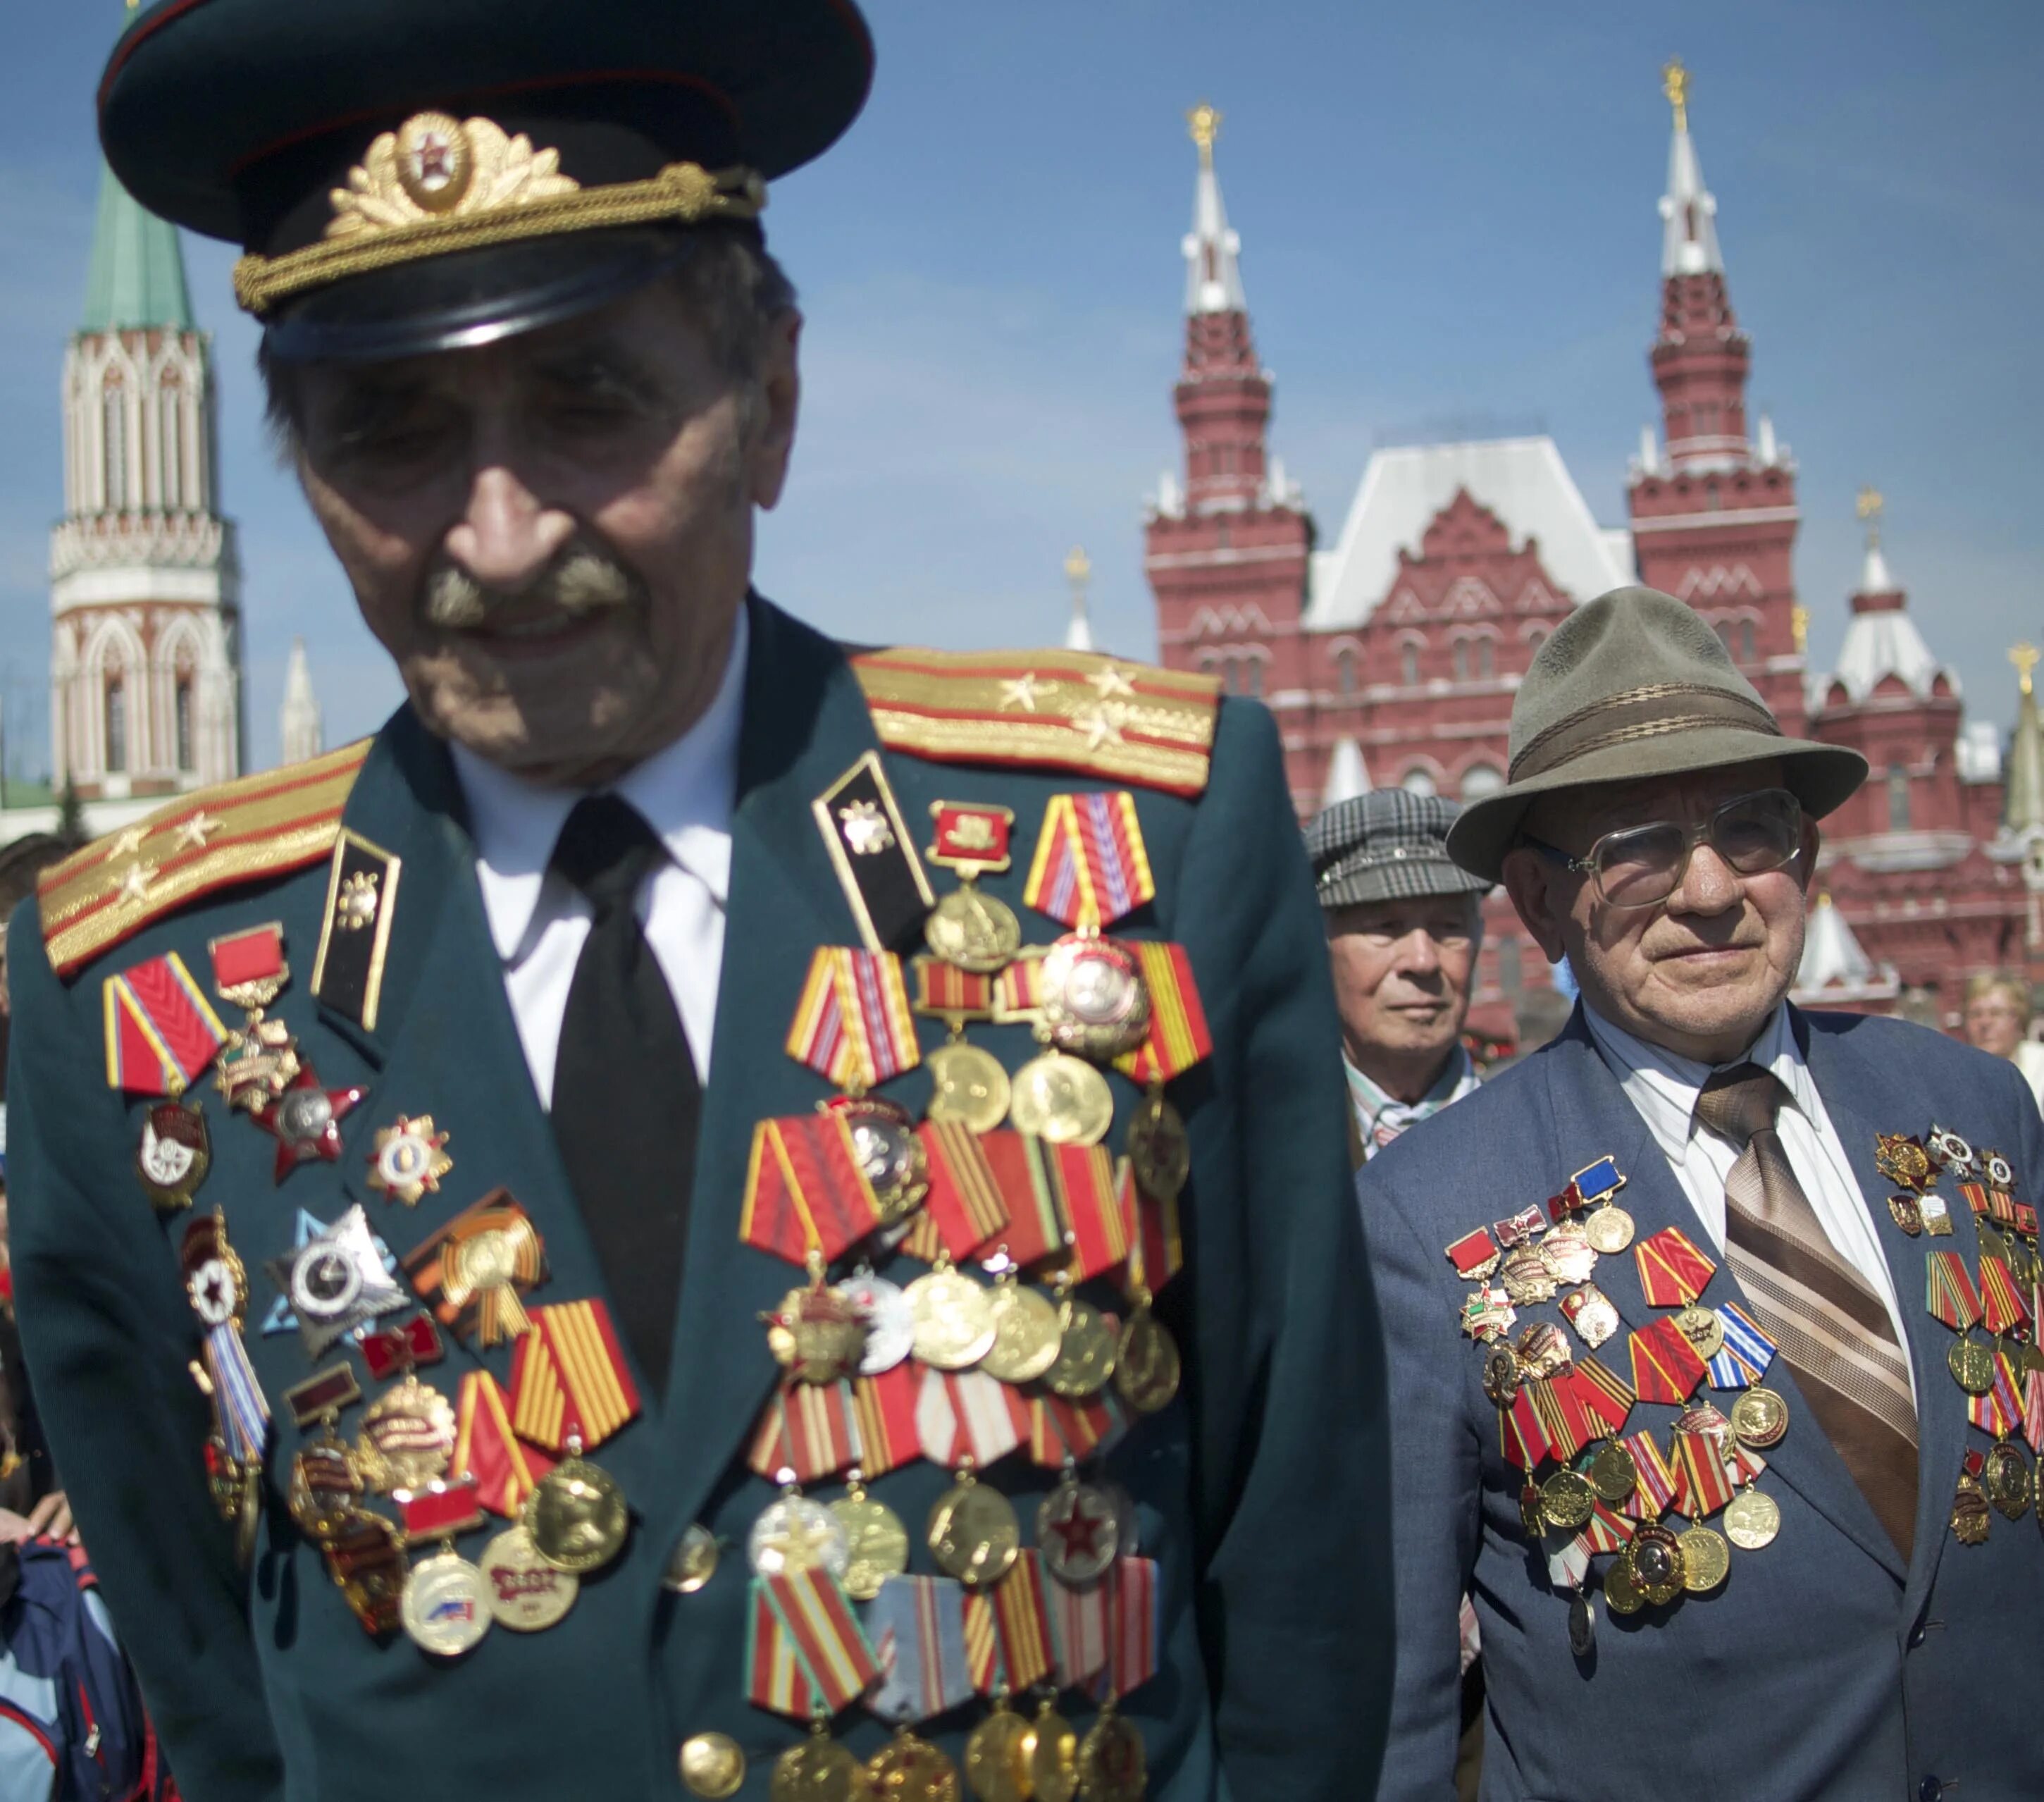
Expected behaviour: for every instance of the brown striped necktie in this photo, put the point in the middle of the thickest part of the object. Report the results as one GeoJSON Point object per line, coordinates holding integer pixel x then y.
{"type": "Point", "coordinates": [1833, 1331]}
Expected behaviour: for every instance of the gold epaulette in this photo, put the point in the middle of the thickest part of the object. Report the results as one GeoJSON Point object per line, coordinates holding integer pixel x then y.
{"type": "Point", "coordinates": [1047, 710]}
{"type": "Point", "coordinates": [240, 832]}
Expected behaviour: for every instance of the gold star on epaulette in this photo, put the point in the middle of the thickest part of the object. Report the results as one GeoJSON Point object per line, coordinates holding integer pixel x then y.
{"type": "Point", "coordinates": [1020, 691]}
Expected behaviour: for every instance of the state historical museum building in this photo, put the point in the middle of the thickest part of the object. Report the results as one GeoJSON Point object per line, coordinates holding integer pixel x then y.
{"type": "Point", "coordinates": [1391, 655]}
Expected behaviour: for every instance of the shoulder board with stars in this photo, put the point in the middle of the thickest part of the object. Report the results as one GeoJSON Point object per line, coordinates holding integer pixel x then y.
{"type": "Point", "coordinates": [241, 831]}
{"type": "Point", "coordinates": [1045, 709]}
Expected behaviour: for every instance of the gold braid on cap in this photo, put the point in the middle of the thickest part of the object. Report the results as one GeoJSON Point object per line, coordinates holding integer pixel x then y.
{"type": "Point", "coordinates": [438, 184]}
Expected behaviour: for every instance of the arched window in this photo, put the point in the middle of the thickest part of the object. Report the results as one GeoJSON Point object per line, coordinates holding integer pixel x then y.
{"type": "Point", "coordinates": [1409, 664]}
{"type": "Point", "coordinates": [184, 722]}
{"type": "Point", "coordinates": [1898, 798]}
{"type": "Point", "coordinates": [173, 448]}
{"type": "Point", "coordinates": [1255, 675]}
{"type": "Point", "coordinates": [1461, 659]}
{"type": "Point", "coordinates": [1745, 641]}
{"type": "Point", "coordinates": [1345, 671]}
{"type": "Point", "coordinates": [1481, 779]}
{"type": "Point", "coordinates": [115, 415]}
{"type": "Point", "coordinates": [1418, 780]}
{"type": "Point", "coordinates": [1510, 978]}
{"type": "Point", "coordinates": [1535, 637]}
{"type": "Point", "coordinates": [1486, 660]}
{"type": "Point", "coordinates": [1723, 629]}
{"type": "Point", "coordinates": [117, 723]}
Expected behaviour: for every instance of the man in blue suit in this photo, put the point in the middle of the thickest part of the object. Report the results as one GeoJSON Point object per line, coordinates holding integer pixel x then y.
{"type": "Point", "coordinates": [1712, 1326]}
{"type": "Point", "coordinates": [707, 1214]}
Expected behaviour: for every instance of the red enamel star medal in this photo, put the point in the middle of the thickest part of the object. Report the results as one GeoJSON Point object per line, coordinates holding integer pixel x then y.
{"type": "Point", "coordinates": [306, 1120]}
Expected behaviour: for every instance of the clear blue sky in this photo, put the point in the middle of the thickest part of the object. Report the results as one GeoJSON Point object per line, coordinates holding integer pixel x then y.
{"type": "Point", "coordinates": [1447, 213]}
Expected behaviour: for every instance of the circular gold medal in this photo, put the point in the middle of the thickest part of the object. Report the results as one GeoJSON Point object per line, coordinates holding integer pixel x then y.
{"type": "Point", "coordinates": [1621, 1593]}
{"type": "Point", "coordinates": [1752, 1520]}
{"type": "Point", "coordinates": [973, 1534]}
{"type": "Point", "coordinates": [878, 1541]}
{"type": "Point", "coordinates": [577, 1517]}
{"type": "Point", "coordinates": [1112, 1767]}
{"type": "Point", "coordinates": [1078, 1532]}
{"type": "Point", "coordinates": [817, 1770]}
{"type": "Point", "coordinates": [2006, 1478]}
{"type": "Point", "coordinates": [1971, 1362]}
{"type": "Point", "coordinates": [1703, 1329]}
{"type": "Point", "coordinates": [1612, 1473]}
{"type": "Point", "coordinates": [1608, 1229]}
{"type": "Point", "coordinates": [1061, 1099]}
{"type": "Point", "coordinates": [1054, 1757]}
{"type": "Point", "coordinates": [445, 1609]}
{"type": "Point", "coordinates": [1025, 1333]}
{"type": "Point", "coordinates": [794, 1533]}
{"type": "Point", "coordinates": [713, 1766]}
{"type": "Point", "coordinates": [1656, 1556]}
{"type": "Point", "coordinates": [693, 1561]}
{"type": "Point", "coordinates": [1146, 1365]}
{"type": "Point", "coordinates": [909, 1769]}
{"type": "Point", "coordinates": [997, 1758]}
{"type": "Point", "coordinates": [1159, 1148]}
{"type": "Point", "coordinates": [525, 1592]}
{"type": "Point", "coordinates": [954, 1319]}
{"type": "Point", "coordinates": [1567, 1500]}
{"type": "Point", "coordinates": [1095, 1001]}
{"type": "Point", "coordinates": [973, 931]}
{"type": "Point", "coordinates": [1706, 1560]}
{"type": "Point", "coordinates": [1760, 1418]}
{"type": "Point", "coordinates": [818, 1334]}
{"type": "Point", "coordinates": [968, 1086]}
{"type": "Point", "coordinates": [1086, 1347]}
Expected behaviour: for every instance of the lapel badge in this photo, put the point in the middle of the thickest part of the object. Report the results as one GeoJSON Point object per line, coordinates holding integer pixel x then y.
{"type": "Point", "coordinates": [1568, 1254]}
{"type": "Point", "coordinates": [335, 1282]}
{"type": "Point", "coordinates": [174, 1155]}
{"type": "Point", "coordinates": [305, 1119]}
{"type": "Point", "coordinates": [394, 1351]}
{"type": "Point", "coordinates": [1474, 1255]}
{"type": "Point", "coordinates": [355, 936]}
{"type": "Point", "coordinates": [1936, 1217]}
{"type": "Point", "coordinates": [1907, 1213]}
{"type": "Point", "coordinates": [874, 857]}
{"type": "Point", "coordinates": [408, 1158]}
{"type": "Point", "coordinates": [1591, 1312]}
{"type": "Point", "coordinates": [258, 1062]}
{"type": "Point", "coordinates": [1521, 1228]}
{"type": "Point", "coordinates": [1488, 1313]}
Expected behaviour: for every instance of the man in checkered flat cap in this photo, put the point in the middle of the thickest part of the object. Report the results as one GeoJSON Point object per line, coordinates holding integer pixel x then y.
{"type": "Point", "coordinates": [1404, 924]}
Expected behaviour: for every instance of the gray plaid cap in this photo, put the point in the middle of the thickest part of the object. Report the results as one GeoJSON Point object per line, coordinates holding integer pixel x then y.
{"type": "Point", "coordinates": [1388, 845]}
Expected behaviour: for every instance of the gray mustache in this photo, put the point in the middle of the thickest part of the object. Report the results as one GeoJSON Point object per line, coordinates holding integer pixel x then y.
{"type": "Point", "coordinates": [582, 581]}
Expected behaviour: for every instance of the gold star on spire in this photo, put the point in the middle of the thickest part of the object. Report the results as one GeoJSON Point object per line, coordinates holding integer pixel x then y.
{"type": "Point", "coordinates": [2024, 657]}
{"type": "Point", "coordinates": [1799, 624]}
{"type": "Point", "coordinates": [1204, 121]}
{"type": "Point", "coordinates": [1870, 506]}
{"type": "Point", "coordinates": [1675, 84]}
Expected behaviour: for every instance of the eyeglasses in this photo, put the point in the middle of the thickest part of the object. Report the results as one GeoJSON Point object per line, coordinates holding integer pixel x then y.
{"type": "Point", "coordinates": [1642, 866]}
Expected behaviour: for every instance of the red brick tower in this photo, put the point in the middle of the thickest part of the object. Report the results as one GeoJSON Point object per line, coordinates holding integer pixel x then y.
{"type": "Point", "coordinates": [1713, 514]}
{"type": "Point", "coordinates": [1226, 552]}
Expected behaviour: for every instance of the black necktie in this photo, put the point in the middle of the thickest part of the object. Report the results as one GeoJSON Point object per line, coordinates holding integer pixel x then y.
{"type": "Point", "coordinates": [626, 1100]}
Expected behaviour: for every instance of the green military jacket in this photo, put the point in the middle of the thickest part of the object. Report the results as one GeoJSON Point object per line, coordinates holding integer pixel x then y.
{"type": "Point", "coordinates": [1261, 1492]}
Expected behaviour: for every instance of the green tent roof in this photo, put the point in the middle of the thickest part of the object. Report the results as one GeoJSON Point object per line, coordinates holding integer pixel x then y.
{"type": "Point", "coordinates": [138, 271]}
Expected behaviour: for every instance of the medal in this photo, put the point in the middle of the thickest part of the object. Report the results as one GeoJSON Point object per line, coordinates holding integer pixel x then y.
{"type": "Point", "coordinates": [693, 1561]}
{"type": "Point", "coordinates": [1054, 1757]}
{"type": "Point", "coordinates": [909, 1769]}
{"type": "Point", "coordinates": [1746, 1353]}
{"type": "Point", "coordinates": [335, 1282]}
{"type": "Point", "coordinates": [1095, 1002]}
{"type": "Point", "coordinates": [1061, 1099]}
{"type": "Point", "coordinates": [794, 1533]}
{"type": "Point", "coordinates": [481, 1262]}
{"type": "Point", "coordinates": [1970, 1518]}
{"type": "Point", "coordinates": [1526, 1277]}
{"type": "Point", "coordinates": [368, 1568]}
{"type": "Point", "coordinates": [1582, 1625]}
{"type": "Point", "coordinates": [407, 1437]}
{"type": "Point", "coordinates": [973, 1533]}
{"type": "Point", "coordinates": [571, 1388]}
{"type": "Point", "coordinates": [1612, 1473]}
{"type": "Point", "coordinates": [576, 1516]}
{"type": "Point", "coordinates": [919, 1625]}
{"type": "Point", "coordinates": [1543, 1350]}
{"type": "Point", "coordinates": [1609, 1229]}
{"type": "Point", "coordinates": [523, 1591]}
{"type": "Point", "coordinates": [818, 1770]}
{"type": "Point", "coordinates": [968, 1086]}
{"type": "Point", "coordinates": [1752, 1520]}
{"type": "Point", "coordinates": [216, 1286]}
{"type": "Point", "coordinates": [817, 1334]}
{"type": "Point", "coordinates": [888, 1320]}
{"type": "Point", "coordinates": [1077, 1532]}
{"type": "Point", "coordinates": [889, 1155]}
{"type": "Point", "coordinates": [1949, 1152]}
{"type": "Point", "coordinates": [876, 1541]}
{"type": "Point", "coordinates": [1971, 1362]}
{"type": "Point", "coordinates": [1760, 1418]}
{"type": "Point", "coordinates": [953, 1325]}
{"type": "Point", "coordinates": [2006, 1478]}
{"type": "Point", "coordinates": [1091, 868]}
{"type": "Point", "coordinates": [445, 1607]}
{"type": "Point", "coordinates": [1621, 1590]}
{"type": "Point", "coordinates": [997, 1758]}
{"type": "Point", "coordinates": [1591, 1312]}
{"type": "Point", "coordinates": [161, 1032]}
{"type": "Point", "coordinates": [1501, 1374]}
{"type": "Point", "coordinates": [1147, 1368]}
{"type": "Point", "coordinates": [1112, 1767]}
{"type": "Point", "coordinates": [853, 1025]}
{"type": "Point", "coordinates": [1158, 1147]}
{"type": "Point", "coordinates": [305, 1119]}
{"type": "Point", "coordinates": [1655, 1556]}
{"type": "Point", "coordinates": [971, 930]}
{"type": "Point", "coordinates": [713, 1766]}
{"type": "Point", "coordinates": [1087, 1346]}
{"type": "Point", "coordinates": [1570, 1257]}
{"type": "Point", "coordinates": [174, 1155]}
{"type": "Point", "coordinates": [1521, 1229]}
{"type": "Point", "coordinates": [1902, 1159]}
{"type": "Point", "coordinates": [1706, 1560]}
{"type": "Point", "coordinates": [325, 1490]}
{"type": "Point", "coordinates": [1906, 1214]}
{"type": "Point", "coordinates": [1567, 1500]}
{"type": "Point", "coordinates": [1673, 1270]}
{"type": "Point", "coordinates": [1474, 1255]}
{"type": "Point", "coordinates": [1703, 1329]}
{"type": "Point", "coordinates": [408, 1159]}
{"type": "Point", "coordinates": [1026, 1337]}
{"type": "Point", "coordinates": [1488, 1313]}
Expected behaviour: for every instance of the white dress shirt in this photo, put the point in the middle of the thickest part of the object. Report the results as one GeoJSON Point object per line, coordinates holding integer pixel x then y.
{"type": "Point", "coordinates": [539, 919]}
{"type": "Point", "coordinates": [1665, 1087]}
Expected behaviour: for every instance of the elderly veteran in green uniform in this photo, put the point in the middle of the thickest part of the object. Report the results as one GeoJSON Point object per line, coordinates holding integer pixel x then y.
{"type": "Point", "coordinates": [703, 1214]}
{"type": "Point", "coordinates": [1404, 924]}
{"type": "Point", "coordinates": [1713, 1322]}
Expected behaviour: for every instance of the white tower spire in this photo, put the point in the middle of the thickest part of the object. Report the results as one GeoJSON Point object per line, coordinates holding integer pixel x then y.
{"type": "Point", "coordinates": [299, 717]}
{"type": "Point", "coordinates": [1689, 232]}
{"type": "Point", "coordinates": [1213, 275]}
{"type": "Point", "coordinates": [1078, 572]}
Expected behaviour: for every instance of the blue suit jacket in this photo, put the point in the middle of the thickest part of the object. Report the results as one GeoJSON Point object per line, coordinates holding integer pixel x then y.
{"type": "Point", "coordinates": [1824, 1668]}
{"type": "Point", "coordinates": [265, 1687]}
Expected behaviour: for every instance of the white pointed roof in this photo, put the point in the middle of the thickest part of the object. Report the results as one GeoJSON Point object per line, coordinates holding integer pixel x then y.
{"type": "Point", "coordinates": [1348, 776]}
{"type": "Point", "coordinates": [302, 733]}
{"type": "Point", "coordinates": [1078, 633]}
{"type": "Point", "coordinates": [1213, 273]}
{"type": "Point", "coordinates": [1884, 642]}
{"type": "Point", "coordinates": [1834, 960]}
{"type": "Point", "coordinates": [1690, 230]}
{"type": "Point", "coordinates": [1523, 481]}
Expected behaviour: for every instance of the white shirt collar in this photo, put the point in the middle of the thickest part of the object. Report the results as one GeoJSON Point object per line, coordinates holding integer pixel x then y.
{"type": "Point", "coordinates": [1665, 1086]}
{"type": "Point", "coordinates": [685, 790]}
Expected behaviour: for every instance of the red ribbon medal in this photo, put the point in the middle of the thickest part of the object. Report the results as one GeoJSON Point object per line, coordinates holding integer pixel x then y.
{"type": "Point", "coordinates": [1091, 868]}
{"type": "Point", "coordinates": [964, 1210]}
{"type": "Point", "coordinates": [161, 1030]}
{"type": "Point", "coordinates": [1177, 1036]}
{"type": "Point", "coordinates": [1079, 1181]}
{"type": "Point", "coordinates": [1135, 1623]}
{"type": "Point", "coordinates": [1665, 1365]}
{"type": "Point", "coordinates": [1656, 1484]}
{"type": "Point", "coordinates": [1672, 1272]}
{"type": "Point", "coordinates": [1949, 1291]}
{"type": "Point", "coordinates": [967, 1416]}
{"type": "Point", "coordinates": [806, 1650]}
{"type": "Point", "coordinates": [569, 1377]}
{"type": "Point", "coordinates": [1063, 1432]}
{"type": "Point", "coordinates": [806, 1432]}
{"type": "Point", "coordinates": [1706, 1485]}
{"type": "Point", "coordinates": [2002, 1310]}
{"type": "Point", "coordinates": [1157, 1245]}
{"type": "Point", "coordinates": [506, 1470]}
{"type": "Point", "coordinates": [884, 1416]}
{"type": "Point", "coordinates": [1079, 1629]}
{"type": "Point", "coordinates": [853, 1025]}
{"type": "Point", "coordinates": [805, 1191]}
{"type": "Point", "coordinates": [1022, 1622]}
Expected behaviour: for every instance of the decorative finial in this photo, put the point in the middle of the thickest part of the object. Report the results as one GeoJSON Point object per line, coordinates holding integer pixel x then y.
{"type": "Point", "coordinates": [1078, 568]}
{"type": "Point", "coordinates": [1675, 84]}
{"type": "Point", "coordinates": [1204, 122]}
{"type": "Point", "coordinates": [1869, 505]}
{"type": "Point", "coordinates": [1799, 624]}
{"type": "Point", "coordinates": [2025, 657]}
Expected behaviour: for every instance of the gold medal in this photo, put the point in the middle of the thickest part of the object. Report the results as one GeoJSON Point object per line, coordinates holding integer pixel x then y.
{"type": "Point", "coordinates": [1061, 1099]}
{"type": "Point", "coordinates": [1025, 1333]}
{"type": "Point", "coordinates": [1751, 1519]}
{"type": "Point", "coordinates": [1054, 1757]}
{"type": "Point", "coordinates": [1582, 1625]}
{"type": "Point", "coordinates": [973, 931]}
{"type": "Point", "coordinates": [1095, 1002]}
{"type": "Point", "coordinates": [1971, 1362]}
{"type": "Point", "coordinates": [1159, 1148]}
{"type": "Point", "coordinates": [973, 1534]}
{"type": "Point", "coordinates": [526, 1593]}
{"type": "Point", "coordinates": [1970, 1518]}
{"type": "Point", "coordinates": [1526, 1277]}
{"type": "Point", "coordinates": [1760, 1418]}
{"type": "Point", "coordinates": [1078, 1532]}
{"type": "Point", "coordinates": [445, 1609]}
{"type": "Point", "coordinates": [693, 1561]}
{"type": "Point", "coordinates": [793, 1534]}
{"type": "Point", "coordinates": [2006, 1478]}
{"type": "Point", "coordinates": [1148, 1367]}
{"type": "Point", "coordinates": [817, 1770]}
{"type": "Point", "coordinates": [1701, 1326]}
{"type": "Point", "coordinates": [713, 1766]}
{"type": "Point", "coordinates": [1567, 1500]}
{"type": "Point", "coordinates": [1612, 1473]}
{"type": "Point", "coordinates": [909, 1769]}
{"type": "Point", "coordinates": [1706, 1560]}
{"type": "Point", "coordinates": [407, 1436]}
{"type": "Point", "coordinates": [1086, 1349]}
{"type": "Point", "coordinates": [326, 1487]}
{"type": "Point", "coordinates": [997, 1758]}
{"type": "Point", "coordinates": [1112, 1766]}
{"type": "Point", "coordinates": [1501, 1374]}
{"type": "Point", "coordinates": [1608, 1229]}
{"type": "Point", "coordinates": [876, 1541]}
{"type": "Point", "coordinates": [1621, 1592]}
{"type": "Point", "coordinates": [174, 1155]}
{"type": "Point", "coordinates": [577, 1516]}
{"type": "Point", "coordinates": [817, 1334]}
{"type": "Point", "coordinates": [1656, 1556]}
{"type": "Point", "coordinates": [954, 1319]}
{"type": "Point", "coordinates": [968, 1086]}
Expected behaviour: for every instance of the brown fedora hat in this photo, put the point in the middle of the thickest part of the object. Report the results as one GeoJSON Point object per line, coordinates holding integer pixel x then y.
{"type": "Point", "coordinates": [1635, 684]}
